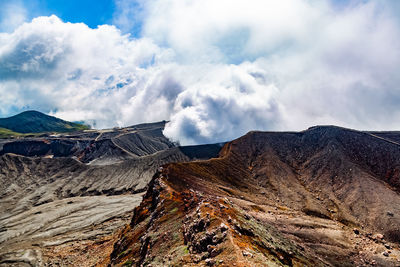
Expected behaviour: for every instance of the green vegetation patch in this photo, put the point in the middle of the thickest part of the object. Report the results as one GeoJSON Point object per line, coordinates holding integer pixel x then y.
{"type": "Point", "coordinates": [128, 263]}
{"type": "Point", "coordinates": [174, 210]}
{"type": "Point", "coordinates": [5, 133]}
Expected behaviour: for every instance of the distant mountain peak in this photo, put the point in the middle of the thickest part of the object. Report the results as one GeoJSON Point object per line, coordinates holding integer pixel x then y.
{"type": "Point", "coordinates": [31, 112]}
{"type": "Point", "coordinates": [33, 121]}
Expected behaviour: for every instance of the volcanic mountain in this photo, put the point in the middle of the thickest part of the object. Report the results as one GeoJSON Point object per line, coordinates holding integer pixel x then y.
{"type": "Point", "coordinates": [37, 122]}
{"type": "Point", "coordinates": [327, 196]}
{"type": "Point", "coordinates": [64, 195]}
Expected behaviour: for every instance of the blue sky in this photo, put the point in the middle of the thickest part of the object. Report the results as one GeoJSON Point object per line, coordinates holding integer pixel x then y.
{"type": "Point", "coordinates": [214, 68]}
{"type": "Point", "coordinates": [90, 12]}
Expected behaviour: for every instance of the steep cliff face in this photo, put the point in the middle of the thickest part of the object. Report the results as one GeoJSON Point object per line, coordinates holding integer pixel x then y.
{"type": "Point", "coordinates": [327, 196]}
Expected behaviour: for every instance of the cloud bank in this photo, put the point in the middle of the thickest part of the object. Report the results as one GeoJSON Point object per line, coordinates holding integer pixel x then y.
{"type": "Point", "coordinates": [214, 69]}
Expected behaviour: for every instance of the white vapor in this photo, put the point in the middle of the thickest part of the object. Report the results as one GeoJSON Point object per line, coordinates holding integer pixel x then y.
{"type": "Point", "coordinates": [214, 69]}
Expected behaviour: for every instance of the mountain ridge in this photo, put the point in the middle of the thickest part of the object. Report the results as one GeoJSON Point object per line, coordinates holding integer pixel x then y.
{"type": "Point", "coordinates": [327, 196]}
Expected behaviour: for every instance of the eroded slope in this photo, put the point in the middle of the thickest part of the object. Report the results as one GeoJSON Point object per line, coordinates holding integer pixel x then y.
{"type": "Point", "coordinates": [327, 196]}
{"type": "Point", "coordinates": [63, 197]}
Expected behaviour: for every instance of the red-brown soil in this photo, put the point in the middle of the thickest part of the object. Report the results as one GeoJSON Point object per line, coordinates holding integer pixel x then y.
{"type": "Point", "coordinates": [327, 196]}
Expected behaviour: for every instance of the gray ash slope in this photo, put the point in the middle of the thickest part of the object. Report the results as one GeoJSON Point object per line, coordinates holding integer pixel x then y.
{"type": "Point", "coordinates": [92, 144]}
{"type": "Point", "coordinates": [54, 180]}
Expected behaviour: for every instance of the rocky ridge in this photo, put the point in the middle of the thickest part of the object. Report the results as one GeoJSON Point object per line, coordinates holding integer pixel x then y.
{"type": "Point", "coordinates": [327, 196]}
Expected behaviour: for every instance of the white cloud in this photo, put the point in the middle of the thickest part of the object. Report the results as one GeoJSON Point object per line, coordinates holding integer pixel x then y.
{"type": "Point", "coordinates": [12, 15]}
{"type": "Point", "coordinates": [128, 15]}
{"type": "Point", "coordinates": [224, 102]}
{"type": "Point", "coordinates": [229, 30]}
{"type": "Point", "coordinates": [78, 72]}
{"type": "Point", "coordinates": [215, 69]}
